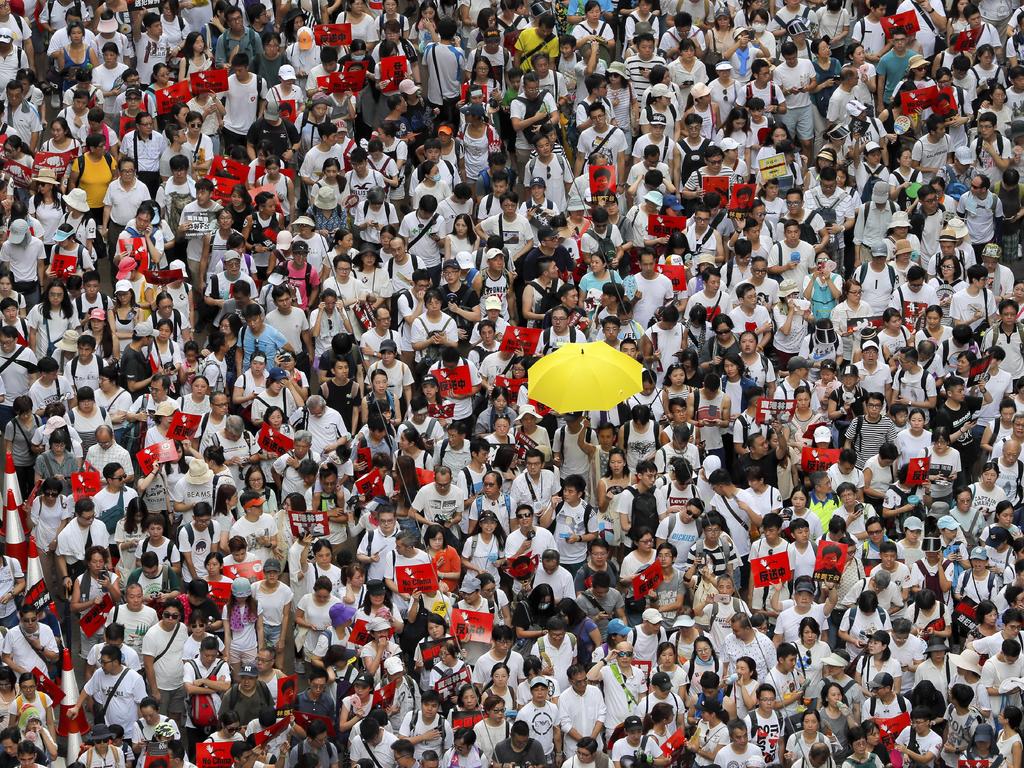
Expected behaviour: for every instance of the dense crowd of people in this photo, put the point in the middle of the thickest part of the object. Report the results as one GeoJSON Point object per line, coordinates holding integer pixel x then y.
{"type": "Point", "coordinates": [273, 277]}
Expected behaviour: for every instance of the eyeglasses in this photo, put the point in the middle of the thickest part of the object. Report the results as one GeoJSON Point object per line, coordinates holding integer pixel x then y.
{"type": "Point", "coordinates": [52, 495]}
{"type": "Point", "coordinates": [792, 202]}
{"type": "Point", "coordinates": [624, 654]}
{"type": "Point", "coordinates": [853, 291]}
{"type": "Point", "coordinates": [171, 615]}
{"type": "Point", "coordinates": [703, 218]}
{"type": "Point", "coordinates": [524, 517]}
{"type": "Point", "coordinates": [722, 332]}
{"type": "Point", "coordinates": [759, 271]}
{"type": "Point", "coordinates": [119, 477]}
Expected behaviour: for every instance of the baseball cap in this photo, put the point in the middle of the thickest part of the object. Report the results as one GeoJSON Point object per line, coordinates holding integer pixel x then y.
{"type": "Point", "coordinates": [979, 553]}
{"type": "Point", "coordinates": [633, 722]}
{"type": "Point", "coordinates": [273, 564]}
{"type": "Point", "coordinates": [913, 524]}
{"type": "Point", "coordinates": [849, 370]}
{"type": "Point", "coordinates": [407, 87]}
{"type": "Point", "coordinates": [822, 435]}
{"type": "Point", "coordinates": [388, 345]}
{"type": "Point", "coordinates": [248, 670]}
{"type": "Point", "coordinates": [272, 111]}
{"type": "Point", "coordinates": [538, 181]}
{"type": "Point", "coordinates": [881, 680]}
{"type": "Point", "coordinates": [286, 72]}
{"type": "Point", "coordinates": [872, 146]}
{"type": "Point", "coordinates": [277, 374]}
{"type": "Point", "coordinates": [964, 155]}
{"type": "Point", "coordinates": [534, 682]}
{"type": "Point", "coordinates": [18, 231]}
{"type": "Point", "coordinates": [492, 302]}
{"type": "Point", "coordinates": [662, 680]}
{"type": "Point", "coordinates": [653, 616]}
{"type": "Point", "coordinates": [617, 627]}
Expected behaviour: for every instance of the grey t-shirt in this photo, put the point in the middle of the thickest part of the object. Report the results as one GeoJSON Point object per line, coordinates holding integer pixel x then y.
{"type": "Point", "coordinates": [532, 755]}
{"type": "Point", "coordinates": [592, 605]}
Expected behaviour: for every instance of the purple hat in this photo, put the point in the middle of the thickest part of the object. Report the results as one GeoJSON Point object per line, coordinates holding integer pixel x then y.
{"type": "Point", "coordinates": [341, 614]}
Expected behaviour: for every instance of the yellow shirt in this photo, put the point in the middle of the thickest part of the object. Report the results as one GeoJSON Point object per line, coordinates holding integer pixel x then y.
{"type": "Point", "coordinates": [529, 44]}
{"type": "Point", "coordinates": [94, 179]}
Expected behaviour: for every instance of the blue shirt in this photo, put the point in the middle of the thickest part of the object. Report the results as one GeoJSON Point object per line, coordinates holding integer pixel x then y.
{"type": "Point", "coordinates": [894, 68]}
{"type": "Point", "coordinates": [270, 342]}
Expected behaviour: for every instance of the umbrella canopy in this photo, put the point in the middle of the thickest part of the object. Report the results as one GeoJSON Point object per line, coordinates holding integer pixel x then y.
{"type": "Point", "coordinates": [584, 377]}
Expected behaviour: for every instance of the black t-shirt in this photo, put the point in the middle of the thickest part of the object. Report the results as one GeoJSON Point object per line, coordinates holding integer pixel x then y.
{"type": "Point", "coordinates": [464, 297]}
{"type": "Point", "coordinates": [857, 404]}
{"type": "Point", "coordinates": [281, 137]}
{"type": "Point", "coordinates": [953, 420]}
{"type": "Point", "coordinates": [134, 367]}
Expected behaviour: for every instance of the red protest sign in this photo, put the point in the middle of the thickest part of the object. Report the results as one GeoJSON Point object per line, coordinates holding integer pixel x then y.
{"type": "Point", "coordinates": [674, 742]}
{"type": "Point", "coordinates": [250, 569]}
{"type": "Point", "coordinates": [512, 385]}
{"type": "Point", "coordinates": [156, 454]}
{"type": "Point", "coordinates": [220, 591]}
{"type": "Point", "coordinates": [57, 162]}
{"type": "Point", "coordinates": [21, 174]}
{"type": "Point", "coordinates": [719, 184]}
{"type": "Point", "coordinates": [93, 619]}
{"type": "Point", "coordinates": [416, 578]}
{"type": "Point", "coordinates": [818, 459]}
{"type": "Point", "coordinates": [227, 168]}
{"type": "Point", "coordinates": [741, 199]}
{"type": "Point", "coordinates": [371, 484]}
{"type": "Point", "coordinates": [385, 697]}
{"type": "Point", "coordinates": [163, 276]}
{"type": "Point", "coordinates": [472, 626]}
{"type": "Point", "coordinates": [332, 34]}
{"type": "Point", "coordinates": [978, 372]}
{"type": "Point", "coordinates": [676, 273]}
{"type": "Point", "coordinates": [213, 754]}
{"type": "Point", "coordinates": [353, 76]}
{"type": "Point", "coordinates": [918, 100]}
{"type": "Point", "coordinates": [774, 410]}
{"type": "Point", "coordinates": [154, 759]}
{"type": "Point", "coordinates": [773, 569]}
{"type": "Point", "coordinates": [62, 264]}
{"type": "Point", "coordinates": [265, 735]}
{"type": "Point", "coordinates": [305, 719]}
{"type": "Point", "coordinates": [48, 686]}
{"type": "Point", "coordinates": [134, 248]}
{"type": "Point", "coordinates": [359, 635]}
{"type": "Point", "coordinates": [905, 22]}
{"type": "Point", "coordinates": [287, 693]}
{"type": "Point", "coordinates": [441, 410]}
{"type": "Point", "coordinates": [856, 324]}
{"type": "Point", "coordinates": [455, 381]}
{"type": "Point", "coordinates": [602, 183]}
{"type": "Point", "coordinates": [289, 111]}
{"type": "Point", "coordinates": [891, 727]}
{"type": "Point", "coordinates": [177, 93]}
{"type": "Point", "coordinates": [209, 81]}
{"type": "Point", "coordinates": [85, 484]}
{"type": "Point", "coordinates": [184, 425]}
{"type": "Point", "coordinates": [312, 522]}
{"type": "Point", "coordinates": [917, 470]}
{"type": "Point", "coordinates": [647, 580]}
{"type": "Point", "coordinates": [125, 124]}
{"type": "Point", "coordinates": [664, 226]}
{"type": "Point", "coordinates": [334, 82]}
{"type": "Point", "coordinates": [393, 69]}
{"type": "Point", "coordinates": [966, 40]}
{"type": "Point", "coordinates": [274, 441]}
{"type": "Point", "coordinates": [829, 561]}
{"type": "Point", "coordinates": [945, 103]}
{"type": "Point", "coordinates": [519, 341]}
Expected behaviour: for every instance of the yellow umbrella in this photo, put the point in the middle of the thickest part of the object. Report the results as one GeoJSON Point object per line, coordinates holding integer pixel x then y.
{"type": "Point", "coordinates": [584, 377]}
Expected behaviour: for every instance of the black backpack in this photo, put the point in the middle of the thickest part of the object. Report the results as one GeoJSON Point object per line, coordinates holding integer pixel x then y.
{"type": "Point", "coordinates": [645, 512]}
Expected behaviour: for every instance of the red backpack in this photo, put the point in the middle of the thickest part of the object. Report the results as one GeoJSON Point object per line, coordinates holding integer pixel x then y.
{"type": "Point", "coordinates": [200, 706]}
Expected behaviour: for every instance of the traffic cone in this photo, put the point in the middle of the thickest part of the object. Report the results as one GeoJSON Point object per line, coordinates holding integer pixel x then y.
{"type": "Point", "coordinates": [74, 748]}
{"type": "Point", "coordinates": [14, 532]}
{"type": "Point", "coordinates": [66, 726]}
{"type": "Point", "coordinates": [11, 479]}
{"type": "Point", "coordinates": [37, 595]}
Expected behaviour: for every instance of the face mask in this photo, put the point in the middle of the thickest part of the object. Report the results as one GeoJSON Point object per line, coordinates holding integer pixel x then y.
{"type": "Point", "coordinates": [358, 56]}
{"type": "Point", "coordinates": [759, 27]}
{"type": "Point", "coordinates": [436, 177]}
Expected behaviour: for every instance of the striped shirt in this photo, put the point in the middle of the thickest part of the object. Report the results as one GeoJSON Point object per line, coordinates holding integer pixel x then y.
{"type": "Point", "coordinates": [866, 437]}
{"type": "Point", "coordinates": [639, 69]}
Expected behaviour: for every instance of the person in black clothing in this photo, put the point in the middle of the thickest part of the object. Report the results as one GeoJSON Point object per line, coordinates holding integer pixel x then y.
{"type": "Point", "coordinates": [136, 371]}
{"type": "Point", "coordinates": [958, 414]}
{"type": "Point", "coordinates": [460, 299]}
{"type": "Point", "coordinates": [282, 135]}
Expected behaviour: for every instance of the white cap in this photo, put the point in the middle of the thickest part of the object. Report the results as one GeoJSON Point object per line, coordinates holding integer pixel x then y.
{"type": "Point", "coordinates": [823, 435]}
{"type": "Point", "coordinates": [286, 72]}
{"type": "Point", "coordinates": [465, 259]}
{"type": "Point", "coordinates": [964, 155]}
{"type": "Point", "coordinates": [728, 144]}
{"type": "Point", "coordinates": [123, 286]}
